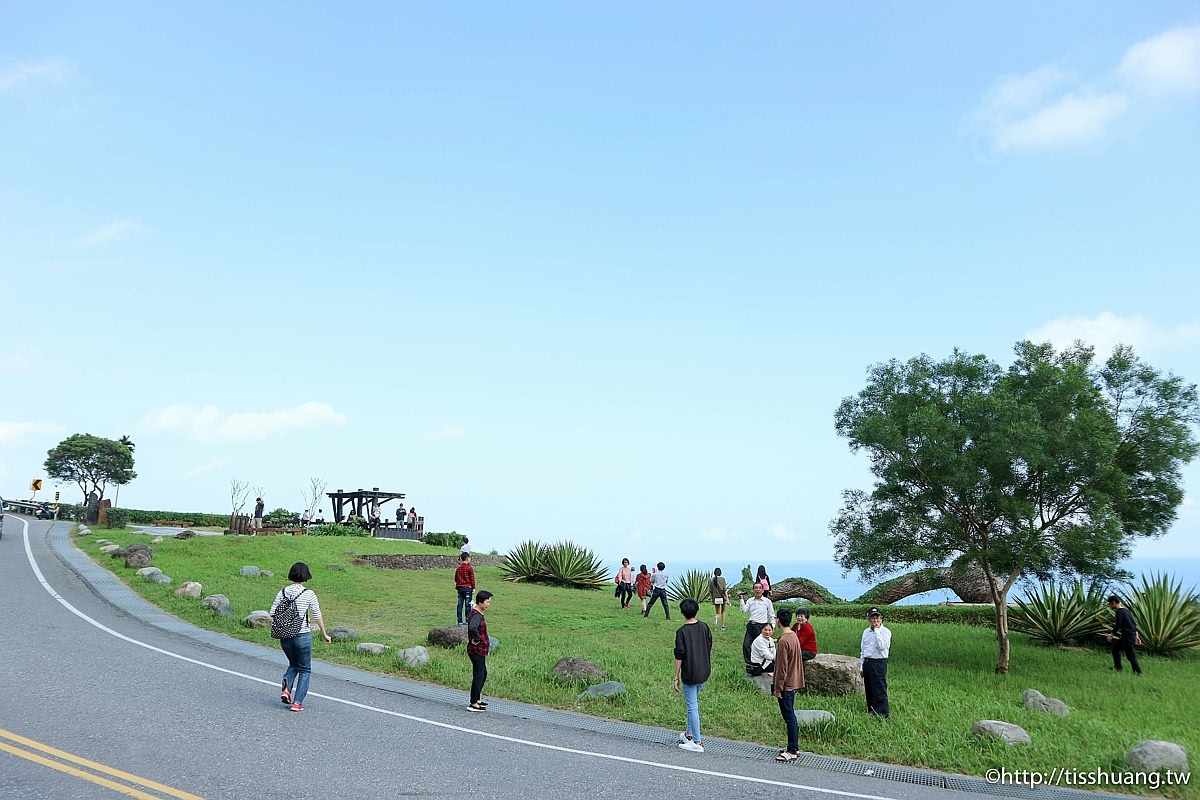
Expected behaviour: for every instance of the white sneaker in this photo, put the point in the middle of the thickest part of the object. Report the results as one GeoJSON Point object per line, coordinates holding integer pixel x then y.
{"type": "Point", "coordinates": [685, 736]}
{"type": "Point", "coordinates": [691, 747]}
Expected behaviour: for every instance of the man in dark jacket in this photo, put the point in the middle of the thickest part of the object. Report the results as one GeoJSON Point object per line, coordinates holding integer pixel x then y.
{"type": "Point", "coordinates": [1123, 636]}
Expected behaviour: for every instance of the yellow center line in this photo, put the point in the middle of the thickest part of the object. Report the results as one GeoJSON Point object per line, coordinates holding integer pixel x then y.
{"type": "Point", "coordinates": [92, 765]}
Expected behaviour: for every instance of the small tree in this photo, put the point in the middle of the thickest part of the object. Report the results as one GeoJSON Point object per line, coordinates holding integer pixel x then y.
{"type": "Point", "coordinates": [239, 491]}
{"type": "Point", "coordinates": [91, 462]}
{"type": "Point", "coordinates": [1051, 468]}
{"type": "Point", "coordinates": [313, 497]}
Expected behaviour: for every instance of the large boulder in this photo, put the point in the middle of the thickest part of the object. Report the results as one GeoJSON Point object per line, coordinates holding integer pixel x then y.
{"type": "Point", "coordinates": [372, 648]}
{"type": "Point", "coordinates": [415, 657]}
{"type": "Point", "coordinates": [608, 689]}
{"type": "Point", "coordinates": [257, 619]}
{"type": "Point", "coordinates": [1153, 755]}
{"type": "Point", "coordinates": [189, 589]}
{"type": "Point", "coordinates": [342, 634]}
{"type": "Point", "coordinates": [448, 636]}
{"type": "Point", "coordinates": [138, 556]}
{"type": "Point", "coordinates": [1004, 731]}
{"type": "Point", "coordinates": [833, 675]}
{"type": "Point", "coordinates": [570, 668]}
{"type": "Point", "coordinates": [1036, 701]}
{"type": "Point", "coordinates": [249, 572]}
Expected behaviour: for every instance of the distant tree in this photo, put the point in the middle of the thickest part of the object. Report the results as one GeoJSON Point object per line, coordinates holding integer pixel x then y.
{"type": "Point", "coordinates": [1052, 467]}
{"type": "Point", "coordinates": [125, 440]}
{"type": "Point", "coordinates": [91, 462]}
{"type": "Point", "coordinates": [239, 492]}
{"type": "Point", "coordinates": [315, 494]}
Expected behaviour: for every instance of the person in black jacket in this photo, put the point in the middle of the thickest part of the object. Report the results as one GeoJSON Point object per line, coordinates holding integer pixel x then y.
{"type": "Point", "coordinates": [693, 666]}
{"type": "Point", "coordinates": [1123, 636]}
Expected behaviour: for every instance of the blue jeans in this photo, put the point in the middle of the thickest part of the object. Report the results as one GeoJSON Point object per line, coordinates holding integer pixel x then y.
{"type": "Point", "coordinates": [787, 709]}
{"type": "Point", "coordinates": [464, 601]}
{"type": "Point", "coordinates": [691, 696]}
{"type": "Point", "coordinates": [298, 650]}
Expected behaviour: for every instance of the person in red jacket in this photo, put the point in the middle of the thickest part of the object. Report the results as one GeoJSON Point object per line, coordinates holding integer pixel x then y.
{"type": "Point", "coordinates": [806, 635]}
{"type": "Point", "coordinates": [464, 582]}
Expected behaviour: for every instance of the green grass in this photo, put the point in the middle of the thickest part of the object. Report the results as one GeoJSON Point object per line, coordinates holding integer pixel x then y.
{"type": "Point", "coordinates": [941, 677]}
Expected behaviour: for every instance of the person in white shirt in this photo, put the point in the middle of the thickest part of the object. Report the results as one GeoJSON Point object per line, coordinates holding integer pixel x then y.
{"type": "Point", "coordinates": [876, 644]}
{"type": "Point", "coordinates": [466, 546]}
{"type": "Point", "coordinates": [761, 613]}
{"type": "Point", "coordinates": [762, 652]}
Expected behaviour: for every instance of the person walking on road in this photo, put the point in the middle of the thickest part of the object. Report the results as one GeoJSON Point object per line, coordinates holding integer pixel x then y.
{"type": "Point", "coordinates": [789, 677]}
{"type": "Point", "coordinates": [478, 645]}
{"type": "Point", "coordinates": [298, 648]}
{"type": "Point", "coordinates": [1124, 636]}
{"type": "Point", "coordinates": [693, 665]}
{"type": "Point", "coordinates": [464, 583]}
{"type": "Point", "coordinates": [761, 612]}
{"type": "Point", "coordinates": [876, 644]}
{"type": "Point", "coordinates": [658, 590]}
{"type": "Point", "coordinates": [642, 584]}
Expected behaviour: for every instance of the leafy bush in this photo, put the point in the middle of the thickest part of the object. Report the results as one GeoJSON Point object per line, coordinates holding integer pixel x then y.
{"type": "Point", "coordinates": [142, 517]}
{"type": "Point", "coordinates": [116, 518]}
{"type": "Point", "coordinates": [1167, 616]}
{"type": "Point", "coordinates": [70, 512]}
{"type": "Point", "coordinates": [1058, 614]}
{"type": "Point", "coordinates": [337, 530]}
{"type": "Point", "coordinates": [977, 616]}
{"type": "Point", "coordinates": [694, 584]}
{"type": "Point", "coordinates": [281, 516]}
{"type": "Point", "coordinates": [561, 564]}
{"type": "Point", "coordinates": [450, 539]}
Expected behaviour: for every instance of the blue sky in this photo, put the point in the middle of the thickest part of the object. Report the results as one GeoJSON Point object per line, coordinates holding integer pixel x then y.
{"type": "Point", "coordinates": [601, 273]}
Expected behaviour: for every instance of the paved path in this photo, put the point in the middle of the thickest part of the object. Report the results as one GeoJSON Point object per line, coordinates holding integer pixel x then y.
{"type": "Point", "coordinates": [97, 681]}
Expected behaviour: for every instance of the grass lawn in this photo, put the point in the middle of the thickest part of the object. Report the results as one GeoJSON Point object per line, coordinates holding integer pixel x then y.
{"type": "Point", "coordinates": [941, 678]}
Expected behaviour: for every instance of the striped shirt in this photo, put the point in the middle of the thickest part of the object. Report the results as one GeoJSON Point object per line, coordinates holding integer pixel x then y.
{"type": "Point", "coordinates": [306, 601]}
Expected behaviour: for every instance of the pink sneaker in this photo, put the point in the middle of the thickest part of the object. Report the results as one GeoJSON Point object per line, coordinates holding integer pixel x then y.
{"type": "Point", "coordinates": [296, 707]}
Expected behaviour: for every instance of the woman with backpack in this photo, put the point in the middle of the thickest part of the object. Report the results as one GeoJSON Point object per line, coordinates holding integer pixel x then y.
{"type": "Point", "coordinates": [289, 624]}
{"type": "Point", "coordinates": [762, 579]}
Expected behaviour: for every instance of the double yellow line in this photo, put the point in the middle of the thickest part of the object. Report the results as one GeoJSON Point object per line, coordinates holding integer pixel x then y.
{"type": "Point", "coordinates": [61, 755]}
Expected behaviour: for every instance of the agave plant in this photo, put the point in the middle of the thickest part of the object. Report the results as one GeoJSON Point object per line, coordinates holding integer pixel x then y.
{"type": "Point", "coordinates": [1057, 614]}
{"type": "Point", "coordinates": [567, 564]}
{"type": "Point", "coordinates": [1167, 616]}
{"type": "Point", "coordinates": [523, 563]}
{"type": "Point", "coordinates": [694, 584]}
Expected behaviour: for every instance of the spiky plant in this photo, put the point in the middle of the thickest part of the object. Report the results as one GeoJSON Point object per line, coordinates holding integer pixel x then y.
{"type": "Point", "coordinates": [1058, 614]}
{"type": "Point", "coordinates": [523, 563]}
{"type": "Point", "coordinates": [568, 564]}
{"type": "Point", "coordinates": [694, 584]}
{"type": "Point", "coordinates": [1167, 616]}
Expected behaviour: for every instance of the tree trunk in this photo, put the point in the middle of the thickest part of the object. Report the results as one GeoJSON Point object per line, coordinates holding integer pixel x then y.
{"type": "Point", "coordinates": [1002, 632]}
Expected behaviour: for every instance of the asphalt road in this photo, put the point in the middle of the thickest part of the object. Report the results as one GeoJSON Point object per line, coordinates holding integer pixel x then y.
{"type": "Point", "coordinates": [96, 700]}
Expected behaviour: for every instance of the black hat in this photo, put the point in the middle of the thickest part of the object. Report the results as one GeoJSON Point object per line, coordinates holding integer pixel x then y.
{"type": "Point", "coordinates": [1112, 598]}
{"type": "Point", "coordinates": [803, 611]}
{"type": "Point", "coordinates": [874, 612]}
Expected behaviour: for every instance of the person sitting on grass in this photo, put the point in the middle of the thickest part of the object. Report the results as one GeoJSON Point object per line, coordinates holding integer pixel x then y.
{"type": "Point", "coordinates": [762, 652]}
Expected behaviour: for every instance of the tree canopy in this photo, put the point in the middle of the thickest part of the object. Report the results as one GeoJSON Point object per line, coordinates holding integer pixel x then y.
{"type": "Point", "coordinates": [1052, 467]}
{"type": "Point", "coordinates": [91, 462]}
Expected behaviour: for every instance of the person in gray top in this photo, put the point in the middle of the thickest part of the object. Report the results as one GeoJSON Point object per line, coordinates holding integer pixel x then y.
{"type": "Point", "coordinates": [658, 590]}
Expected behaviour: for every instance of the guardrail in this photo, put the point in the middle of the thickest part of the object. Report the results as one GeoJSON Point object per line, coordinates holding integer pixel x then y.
{"type": "Point", "coordinates": [26, 506]}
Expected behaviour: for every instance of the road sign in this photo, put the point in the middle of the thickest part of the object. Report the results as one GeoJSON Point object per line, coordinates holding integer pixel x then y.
{"type": "Point", "coordinates": [35, 485]}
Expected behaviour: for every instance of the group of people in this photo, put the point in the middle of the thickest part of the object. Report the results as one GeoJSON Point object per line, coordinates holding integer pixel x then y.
{"type": "Point", "coordinates": [650, 585]}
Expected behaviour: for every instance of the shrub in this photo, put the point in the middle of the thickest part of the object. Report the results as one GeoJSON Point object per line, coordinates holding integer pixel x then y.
{"type": "Point", "coordinates": [1168, 618]}
{"type": "Point", "coordinates": [70, 512]}
{"type": "Point", "coordinates": [561, 564]}
{"type": "Point", "coordinates": [337, 530]}
{"type": "Point", "coordinates": [116, 518]}
{"type": "Point", "coordinates": [1058, 614]}
{"type": "Point", "coordinates": [694, 584]}
{"type": "Point", "coordinates": [281, 516]}
{"type": "Point", "coordinates": [450, 539]}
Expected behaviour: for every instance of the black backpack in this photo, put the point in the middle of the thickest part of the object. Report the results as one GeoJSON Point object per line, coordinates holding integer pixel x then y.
{"type": "Point", "coordinates": [286, 622]}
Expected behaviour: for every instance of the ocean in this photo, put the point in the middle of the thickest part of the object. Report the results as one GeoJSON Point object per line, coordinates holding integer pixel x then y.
{"type": "Point", "coordinates": [829, 575]}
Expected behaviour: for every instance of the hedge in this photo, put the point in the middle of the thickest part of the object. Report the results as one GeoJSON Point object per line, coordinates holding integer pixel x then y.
{"type": "Point", "coordinates": [978, 616]}
{"type": "Point", "coordinates": [141, 517]}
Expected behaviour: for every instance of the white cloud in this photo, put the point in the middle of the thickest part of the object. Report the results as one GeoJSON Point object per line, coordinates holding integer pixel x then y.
{"type": "Point", "coordinates": [210, 424]}
{"type": "Point", "coordinates": [781, 533]}
{"type": "Point", "coordinates": [448, 432]}
{"type": "Point", "coordinates": [110, 232]}
{"type": "Point", "coordinates": [17, 434]}
{"type": "Point", "coordinates": [1014, 95]}
{"type": "Point", "coordinates": [19, 73]}
{"type": "Point", "coordinates": [18, 361]}
{"type": "Point", "coordinates": [209, 467]}
{"type": "Point", "coordinates": [1072, 119]}
{"type": "Point", "coordinates": [1167, 64]}
{"type": "Point", "coordinates": [1106, 330]}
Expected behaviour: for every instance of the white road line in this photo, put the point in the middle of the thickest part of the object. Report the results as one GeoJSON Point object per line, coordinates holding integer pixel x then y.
{"type": "Point", "coordinates": [447, 726]}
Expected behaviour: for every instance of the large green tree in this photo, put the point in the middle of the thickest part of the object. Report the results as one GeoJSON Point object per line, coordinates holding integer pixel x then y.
{"type": "Point", "coordinates": [1051, 467]}
{"type": "Point", "coordinates": [91, 462]}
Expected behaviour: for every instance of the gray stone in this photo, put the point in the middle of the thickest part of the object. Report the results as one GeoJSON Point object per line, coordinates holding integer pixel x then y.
{"type": "Point", "coordinates": [257, 619]}
{"type": "Point", "coordinates": [335, 567]}
{"type": "Point", "coordinates": [84, 530]}
{"type": "Point", "coordinates": [156, 540]}
{"type": "Point", "coordinates": [1036, 701]}
{"type": "Point", "coordinates": [108, 548]}
{"type": "Point", "coordinates": [159, 578]}
{"type": "Point", "coordinates": [185, 534]}
{"type": "Point", "coordinates": [266, 573]}
{"type": "Point", "coordinates": [342, 634]}
{"type": "Point", "coordinates": [249, 572]}
{"type": "Point", "coordinates": [832, 675]}
{"type": "Point", "coordinates": [813, 719]}
{"type": "Point", "coordinates": [138, 555]}
{"type": "Point", "coordinates": [223, 611]}
{"type": "Point", "coordinates": [1004, 731]}
{"type": "Point", "coordinates": [189, 589]}
{"type": "Point", "coordinates": [215, 601]}
{"type": "Point", "coordinates": [372, 648]}
{"type": "Point", "coordinates": [415, 657]}
{"type": "Point", "coordinates": [118, 553]}
{"type": "Point", "coordinates": [448, 636]}
{"type": "Point", "coordinates": [1154, 755]}
{"type": "Point", "coordinates": [608, 689]}
{"type": "Point", "coordinates": [763, 682]}
{"type": "Point", "coordinates": [577, 669]}
{"type": "Point", "coordinates": [147, 572]}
